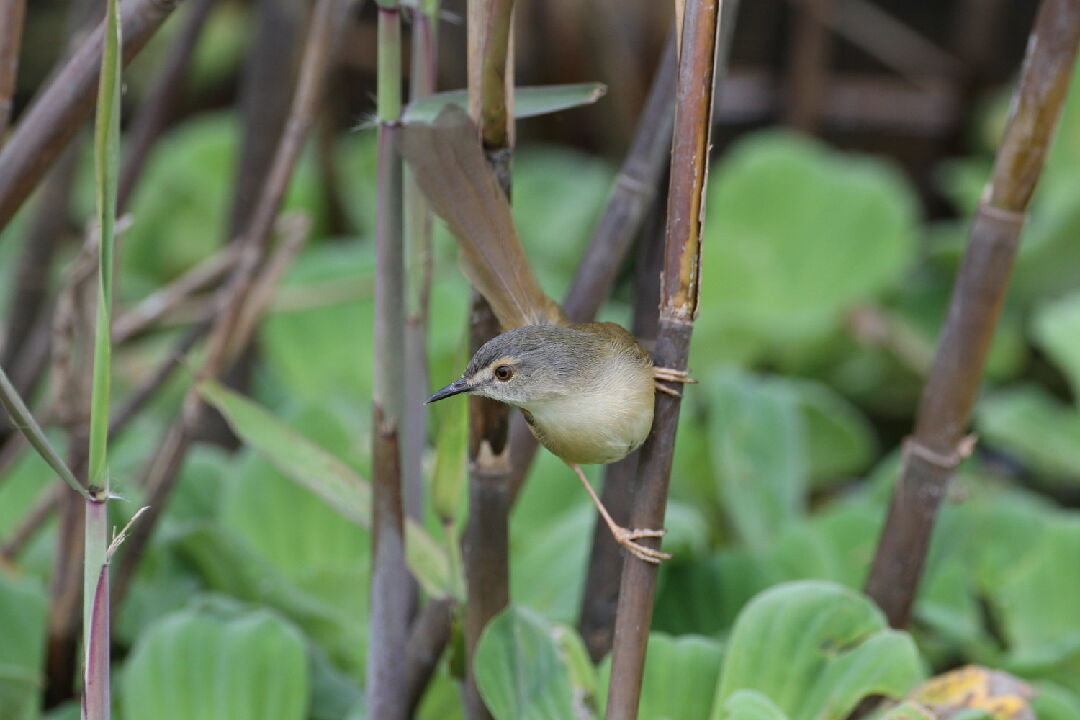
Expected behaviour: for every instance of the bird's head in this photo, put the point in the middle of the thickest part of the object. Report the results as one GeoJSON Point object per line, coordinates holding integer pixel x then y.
{"type": "Point", "coordinates": [528, 364]}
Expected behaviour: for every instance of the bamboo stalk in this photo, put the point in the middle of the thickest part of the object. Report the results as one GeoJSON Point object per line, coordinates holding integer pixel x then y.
{"type": "Point", "coordinates": [700, 48]}
{"type": "Point", "coordinates": [58, 112]}
{"type": "Point", "coordinates": [391, 589]}
{"type": "Point", "coordinates": [161, 472]}
{"type": "Point", "coordinates": [600, 595]}
{"type": "Point", "coordinates": [11, 29]}
{"type": "Point", "coordinates": [486, 540]}
{"type": "Point", "coordinates": [418, 276]}
{"type": "Point", "coordinates": [938, 443]}
{"type": "Point", "coordinates": [95, 699]}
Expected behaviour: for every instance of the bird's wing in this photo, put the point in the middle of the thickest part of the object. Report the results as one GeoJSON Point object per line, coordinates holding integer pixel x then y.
{"type": "Point", "coordinates": [451, 170]}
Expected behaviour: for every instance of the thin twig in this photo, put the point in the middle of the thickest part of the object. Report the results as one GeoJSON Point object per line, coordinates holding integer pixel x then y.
{"type": "Point", "coordinates": [701, 45]}
{"type": "Point", "coordinates": [60, 109]}
{"type": "Point", "coordinates": [138, 319]}
{"type": "Point", "coordinates": [161, 473]}
{"type": "Point", "coordinates": [938, 444]}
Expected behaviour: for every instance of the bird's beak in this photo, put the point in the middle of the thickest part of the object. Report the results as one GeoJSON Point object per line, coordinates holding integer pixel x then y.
{"type": "Point", "coordinates": [455, 388]}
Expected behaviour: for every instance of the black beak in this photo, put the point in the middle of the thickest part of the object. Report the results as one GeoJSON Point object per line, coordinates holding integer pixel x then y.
{"type": "Point", "coordinates": [455, 388]}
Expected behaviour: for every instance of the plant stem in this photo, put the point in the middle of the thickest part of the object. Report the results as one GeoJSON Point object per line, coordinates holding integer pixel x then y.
{"type": "Point", "coordinates": [486, 540]}
{"type": "Point", "coordinates": [938, 445]}
{"type": "Point", "coordinates": [59, 110]}
{"type": "Point", "coordinates": [700, 48]}
{"type": "Point", "coordinates": [11, 28]}
{"type": "Point", "coordinates": [391, 590]}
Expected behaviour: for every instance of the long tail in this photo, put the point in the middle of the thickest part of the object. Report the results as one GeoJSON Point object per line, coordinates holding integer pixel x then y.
{"type": "Point", "coordinates": [457, 180]}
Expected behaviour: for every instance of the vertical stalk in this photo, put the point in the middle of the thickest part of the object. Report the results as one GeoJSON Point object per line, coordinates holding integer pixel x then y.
{"type": "Point", "coordinates": [418, 271]}
{"type": "Point", "coordinates": [938, 445]}
{"type": "Point", "coordinates": [486, 541]}
{"type": "Point", "coordinates": [699, 49]}
{"type": "Point", "coordinates": [95, 705]}
{"type": "Point", "coordinates": [390, 582]}
{"type": "Point", "coordinates": [11, 28]}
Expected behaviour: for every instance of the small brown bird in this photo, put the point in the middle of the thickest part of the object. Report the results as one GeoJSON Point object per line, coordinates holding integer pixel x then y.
{"type": "Point", "coordinates": [586, 390]}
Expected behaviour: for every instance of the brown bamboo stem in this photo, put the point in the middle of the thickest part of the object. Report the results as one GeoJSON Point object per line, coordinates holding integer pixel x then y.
{"type": "Point", "coordinates": [486, 540]}
{"type": "Point", "coordinates": [938, 443]}
{"type": "Point", "coordinates": [678, 308]}
{"type": "Point", "coordinates": [49, 124]}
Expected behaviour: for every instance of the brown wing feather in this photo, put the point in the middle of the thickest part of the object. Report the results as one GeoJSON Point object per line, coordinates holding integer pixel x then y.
{"type": "Point", "coordinates": [461, 187]}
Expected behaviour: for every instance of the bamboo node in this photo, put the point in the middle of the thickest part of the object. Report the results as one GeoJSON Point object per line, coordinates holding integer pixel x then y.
{"type": "Point", "coordinates": [1001, 215]}
{"type": "Point", "coordinates": [633, 185]}
{"type": "Point", "coordinates": [949, 462]}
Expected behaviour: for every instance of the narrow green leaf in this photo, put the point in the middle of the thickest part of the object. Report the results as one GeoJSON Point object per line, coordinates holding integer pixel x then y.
{"type": "Point", "coordinates": [307, 464]}
{"type": "Point", "coordinates": [750, 705]}
{"type": "Point", "coordinates": [24, 420]}
{"type": "Point", "coordinates": [528, 101]}
{"type": "Point", "coordinates": [1057, 330]}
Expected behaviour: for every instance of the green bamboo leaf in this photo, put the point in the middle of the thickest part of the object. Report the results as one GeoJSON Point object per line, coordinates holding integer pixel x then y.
{"type": "Point", "coordinates": [680, 677]}
{"type": "Point", "coordinates": [815, 649]}
{"type": "Point", "coordinates": [520, 671]}
{"type": "Point", "coordinates": [528, 101]}
{"type": "Point", "coordinates": [308, 465]}
{"type": "Point", "coordinates": [194, 665]}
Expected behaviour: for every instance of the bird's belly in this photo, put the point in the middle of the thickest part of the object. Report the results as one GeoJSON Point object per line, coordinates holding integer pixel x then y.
{"type": "Point", "coordinates": [591, 429]}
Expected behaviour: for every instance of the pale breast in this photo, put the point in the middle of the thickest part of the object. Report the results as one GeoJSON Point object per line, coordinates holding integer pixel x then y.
{"type": "Point", "coordinates": [603, 423]}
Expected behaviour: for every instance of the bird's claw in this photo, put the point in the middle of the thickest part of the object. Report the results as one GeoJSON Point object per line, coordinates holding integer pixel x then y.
{"type": "Point", "coordinates": [670, 375]}
{"type": "Point", "coordinates": [626, 538]}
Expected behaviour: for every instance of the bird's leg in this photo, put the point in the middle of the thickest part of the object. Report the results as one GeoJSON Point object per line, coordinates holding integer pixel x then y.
{"type": "Point", "coordinates": [624, 536]}
{"type": "Point", "coordinates": [670, 375]}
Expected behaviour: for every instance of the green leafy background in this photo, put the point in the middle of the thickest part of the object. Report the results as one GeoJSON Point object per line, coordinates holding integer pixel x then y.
{"type": "Point", "coordinates": [822, 294]}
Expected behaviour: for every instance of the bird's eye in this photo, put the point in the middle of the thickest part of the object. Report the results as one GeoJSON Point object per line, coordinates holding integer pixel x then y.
{"type": "Point", "coordinates": [504, 372]}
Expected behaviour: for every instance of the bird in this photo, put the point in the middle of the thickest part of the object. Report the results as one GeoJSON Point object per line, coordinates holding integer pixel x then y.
{"type": "Point", "coordinates": [586, 390]}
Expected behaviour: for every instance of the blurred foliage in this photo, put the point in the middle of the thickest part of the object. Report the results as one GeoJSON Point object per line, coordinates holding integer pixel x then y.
{"type": "Point", "coordinates": [823, 292]}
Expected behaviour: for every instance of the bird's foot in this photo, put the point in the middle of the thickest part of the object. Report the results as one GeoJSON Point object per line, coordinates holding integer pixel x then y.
{"type": "Point", "coordinates": [670, 375]}
{"type": "Point", "coordinates": [626, 538]}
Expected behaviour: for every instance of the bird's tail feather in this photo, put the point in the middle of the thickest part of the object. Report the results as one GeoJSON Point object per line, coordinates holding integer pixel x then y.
{"type": "Point", "coordinates": [449, 166]}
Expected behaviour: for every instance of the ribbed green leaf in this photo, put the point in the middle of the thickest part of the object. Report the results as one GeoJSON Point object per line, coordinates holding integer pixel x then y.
{"type": "Point", "coordinates": [329, 478]}
{"type": "Point", "coordinates": [528, 101]}
{"type": "Point", "coordinates": [196, 666]}
{"type": "Point", "coordinates": [815, 649]}
{"type": "Point", "coordinates": [519, 670]}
